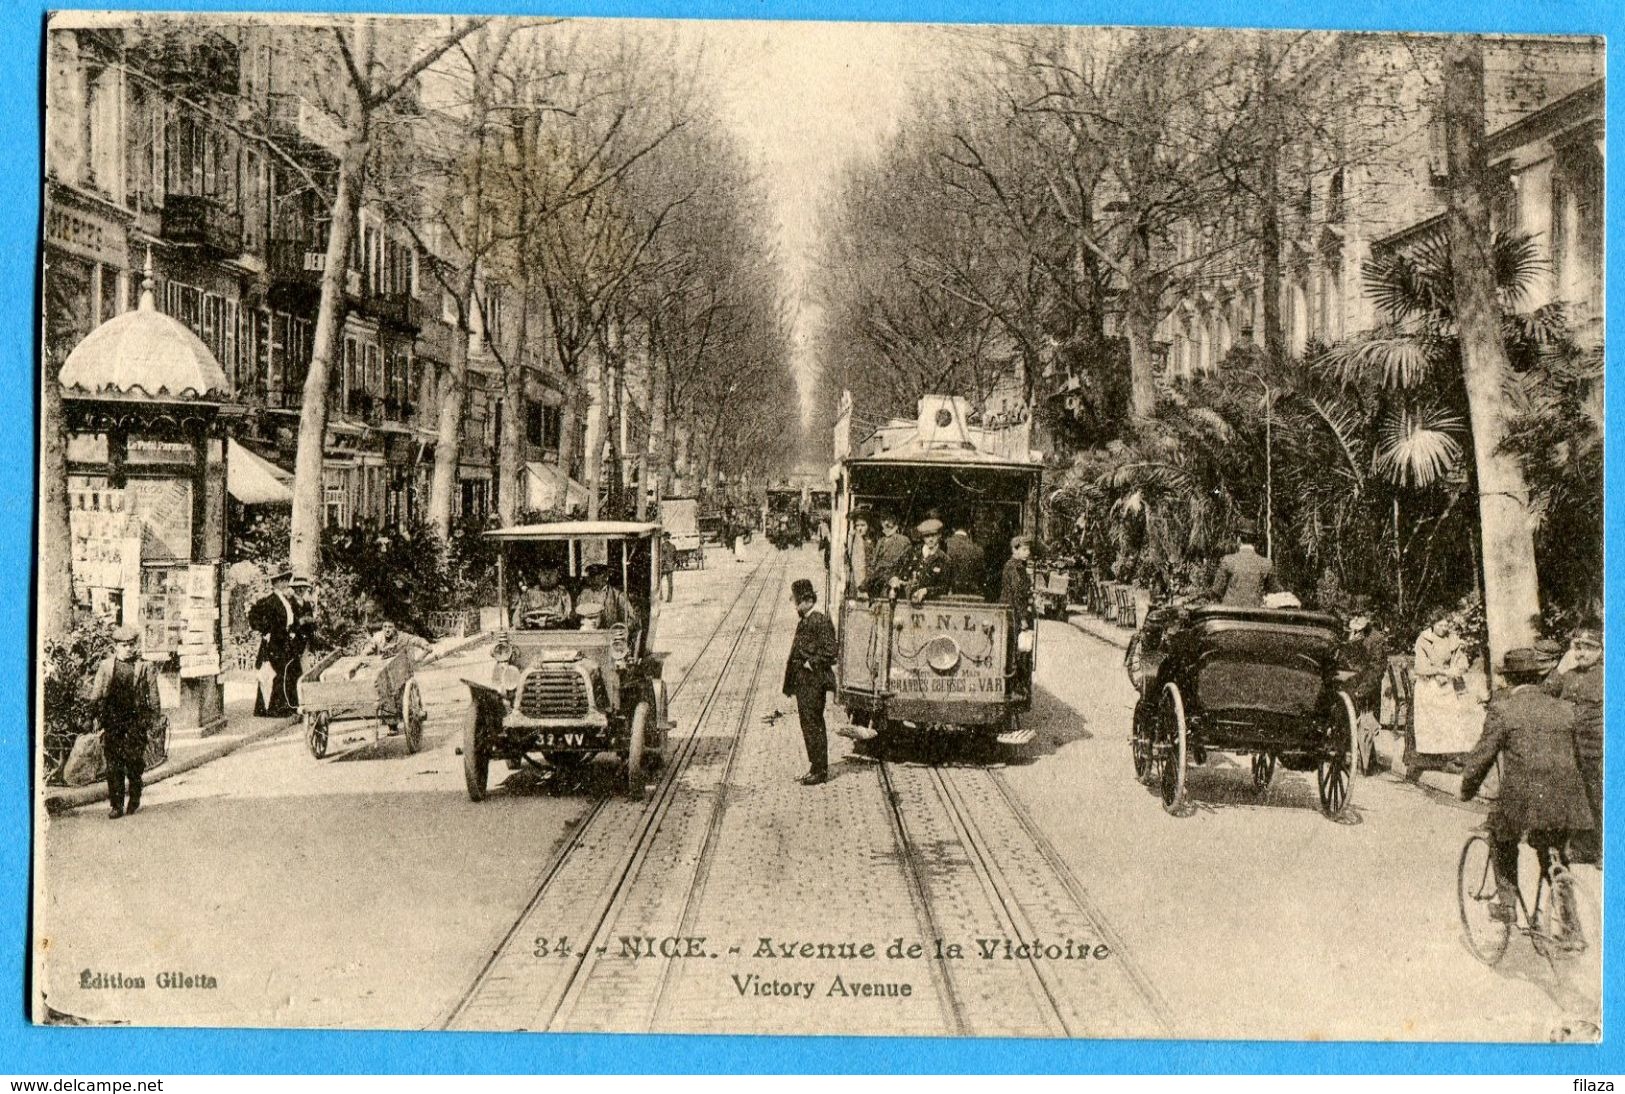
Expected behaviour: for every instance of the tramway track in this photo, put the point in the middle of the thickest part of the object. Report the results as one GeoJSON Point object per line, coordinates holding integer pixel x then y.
{"type": "Point", "coordinates": [601, 857]}
{"type": "Point", "coordinates": [981, 868]}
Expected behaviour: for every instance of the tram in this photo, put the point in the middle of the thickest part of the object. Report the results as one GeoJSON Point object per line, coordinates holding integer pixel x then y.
{"type": "Point", "coordinates": [782, 517]}
{"type": "Point", "coordinates": [954, 663]}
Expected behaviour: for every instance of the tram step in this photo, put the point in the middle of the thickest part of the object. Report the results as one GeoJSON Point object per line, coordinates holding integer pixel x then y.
{"type": "Point", "coordinates": [1017, 737]}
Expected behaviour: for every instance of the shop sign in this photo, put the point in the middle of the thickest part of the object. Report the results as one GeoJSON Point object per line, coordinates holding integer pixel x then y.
{"type": "Point", "coordinates": [144, 451]}
{"type": "Point", "coordinates": [84, 234]}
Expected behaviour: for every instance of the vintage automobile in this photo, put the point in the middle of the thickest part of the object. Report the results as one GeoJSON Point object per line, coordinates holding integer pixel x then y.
{"type": "Point", "coordinates": [957, 664]}
{"type": "Point", "coordinates": [783, 519]}
{"type": "Point", "coordinates": [561, 691]}
{"type": "Point", "coordinates": [1265, 682]}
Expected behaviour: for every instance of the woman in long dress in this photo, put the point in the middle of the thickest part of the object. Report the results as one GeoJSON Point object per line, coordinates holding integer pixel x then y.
{"type": "Point", "coordinates": [1443, 720]}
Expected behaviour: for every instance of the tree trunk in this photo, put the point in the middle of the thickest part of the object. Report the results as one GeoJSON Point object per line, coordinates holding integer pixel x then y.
{"type": "Point", "coordinates": [55, 539]}
{"type": "Point", "coordinates": [449, 435]}
{"type": "Point", "coordinates": [1140, 323]}
{"type": "Point", "coordinates": [593, 455]}
{"type": "Point", "coordinates": [1511, 587]}
{"type": "Point", "coordinates": [305, 539]}
{"type": "Point", "coordinates": [1269, 228]}
{"type": "Point", "coordinates": [510, 452]}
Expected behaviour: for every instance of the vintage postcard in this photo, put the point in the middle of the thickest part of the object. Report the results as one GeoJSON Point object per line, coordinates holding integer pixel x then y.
{"type": "Point", "coordinates": [812, 528]}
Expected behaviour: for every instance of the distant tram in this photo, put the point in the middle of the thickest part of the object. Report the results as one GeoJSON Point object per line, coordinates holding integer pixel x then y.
{"type": "Point", "coordinates": [954, 663]}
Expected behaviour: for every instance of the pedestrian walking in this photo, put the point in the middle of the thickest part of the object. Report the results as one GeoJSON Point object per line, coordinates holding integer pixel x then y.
{"type": "Point", "coordinates": [1244, 575]}
{"type": "Point", "coordinates": [1541, 792]}
{"type": "Point", "coordinates": [283, 622]}
{"type": "Point", "coordinates": [668, 566]}
{"type": "Point", "coordinates": [808, 674]}
{"type": "Point", "coordinates": [124, 699]}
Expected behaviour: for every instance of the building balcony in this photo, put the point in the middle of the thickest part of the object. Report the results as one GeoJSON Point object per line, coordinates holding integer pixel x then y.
{"type": "Point", "coordinates": [364, 406]}
{"type": "Point", "coordinates": [402, 411]}
{"type": "Point", "coordinates": [299, 264]}
{"type": "Point", "coordinates": [311, 127]}
{"type": "Point", "coordinates": [394, 309]}
{"type": "Point", "coordinates": [191, 220]}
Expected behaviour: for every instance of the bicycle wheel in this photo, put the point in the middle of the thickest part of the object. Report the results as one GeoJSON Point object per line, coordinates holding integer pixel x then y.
{"type": "Point", "coordinates": [1486, 936]}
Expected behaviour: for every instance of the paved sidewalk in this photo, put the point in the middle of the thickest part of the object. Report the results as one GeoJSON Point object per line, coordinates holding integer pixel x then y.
{"type": "Point", "coordinates": [188, 749]}
{"type": "Point", "coordinates": [1390, 746]}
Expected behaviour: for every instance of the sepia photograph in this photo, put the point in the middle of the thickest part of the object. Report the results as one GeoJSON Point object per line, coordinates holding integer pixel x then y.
{"type": "Point", "coordinates": [819, 528]}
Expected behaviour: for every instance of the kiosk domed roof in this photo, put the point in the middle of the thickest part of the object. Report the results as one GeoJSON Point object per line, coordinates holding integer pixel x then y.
{"type": "Point", "coordinates": [144, 352]}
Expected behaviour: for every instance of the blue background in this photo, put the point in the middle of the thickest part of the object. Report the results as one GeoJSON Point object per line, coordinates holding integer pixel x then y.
{"type": "Point", "coordinates": [28, 1050]}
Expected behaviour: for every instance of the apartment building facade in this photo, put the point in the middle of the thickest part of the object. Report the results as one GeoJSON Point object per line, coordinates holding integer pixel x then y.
{"type": "Point", "coordinates": [208, 154]}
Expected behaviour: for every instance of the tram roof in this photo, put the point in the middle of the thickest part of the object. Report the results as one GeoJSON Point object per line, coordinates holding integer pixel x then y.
{"type": "Point", "coordinates": [917, 455]}
{"type": "Point", "coordinates": [575, 529]}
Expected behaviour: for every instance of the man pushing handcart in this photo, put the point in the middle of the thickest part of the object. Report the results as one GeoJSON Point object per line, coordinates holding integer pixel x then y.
{"type": "Point", "coordinates": [338, 690]}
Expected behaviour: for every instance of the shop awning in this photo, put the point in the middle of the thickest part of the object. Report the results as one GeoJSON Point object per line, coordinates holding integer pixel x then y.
{"type": "Point", "coordinates": [254, 480]}
{"type": "Point", "coordinates": [546, 487]}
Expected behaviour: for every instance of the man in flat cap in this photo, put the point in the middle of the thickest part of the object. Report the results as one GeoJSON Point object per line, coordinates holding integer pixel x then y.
{"type": "Point", "coordinates": [931, 575]}
{"type": "Point", "coordinates": [1244, 575]}
{"type": "Point", "coordinates": [888, 566]}
{"type": "Point", "coordinates": [1578, 679]}
{"type": "Point", "coordinates": [282, 620]}
{"type": "Point", "coordinates": [1541, 792]}
{"type": "Point", "coordinates": [808, 674]}
{"type": "Point", "coordinates": [124, 697]}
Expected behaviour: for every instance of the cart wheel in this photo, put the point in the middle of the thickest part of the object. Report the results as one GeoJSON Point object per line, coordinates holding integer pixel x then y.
{"type": "Point", "coordinates": [1263, 770]}
{"type": "Point", "coordinates": [412, 715]}
{"type": "Point", "coordinates": [476, 761]}
{"type": "Point", "coordinates": [1178, 754]}
{"type": "Point", "coordinates": [316, 734]}
{"type": "Point", "coordinates": [637, 739]}
{"type": "Point", "coordinates": [1486, 936]}
{"type": "Point", "coordinates": [1336, 774]}
{"type": "Point", "coordinates": [1131, 659]}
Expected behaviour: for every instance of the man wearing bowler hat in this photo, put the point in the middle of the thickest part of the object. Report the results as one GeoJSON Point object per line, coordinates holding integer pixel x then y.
{"type": "Point", "coordinates": [124, 696]}
{"type": "Point", "coordinates": [1541, 791]}
{"type": "Point", "coordinates": [1244, 575]}
{"type": "Point", "coordinates": [808, 674]}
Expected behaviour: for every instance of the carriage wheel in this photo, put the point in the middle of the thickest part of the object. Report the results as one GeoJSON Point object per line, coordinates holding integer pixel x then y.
{"type": "Point", "coordinates": [636, 743]}
{"type": "Point", "coordinates": [412, 715]}
{"type": "Point", "coordinates": [1144, 746]}
{"type": "Point", "coordinates": [1336, 774]}
{"type": "Point", "coordinates": [1176, 733]}
{"type": "Point", "coordinates": [316, 734]}
{"type": "Point", "coordinates": [1486, 936]}
{"type": "Point", "coordinates": [1263, 770]}
{"type": "Point", "coordinates": [476, 761]}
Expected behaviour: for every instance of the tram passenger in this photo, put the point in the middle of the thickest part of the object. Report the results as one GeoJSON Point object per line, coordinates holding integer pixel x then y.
{"type": "Point", "coordinates": [545, 605]}
{"type": "Point", "coordinates": [930, 574]}
{"type": "Point", "coordinates": [967, 564]}
{"type": "Point", "coordinates": [857, 552]}
{"type": "Point", "coordinates": [889, 564]}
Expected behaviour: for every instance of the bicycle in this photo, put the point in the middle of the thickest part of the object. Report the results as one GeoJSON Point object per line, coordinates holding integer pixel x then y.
{"type": "Point", "coordinates": [1488, 937]}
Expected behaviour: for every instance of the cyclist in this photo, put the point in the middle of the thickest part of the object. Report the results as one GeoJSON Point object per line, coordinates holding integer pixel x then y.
{"type": "Point", "coordinates": [1541, 792]}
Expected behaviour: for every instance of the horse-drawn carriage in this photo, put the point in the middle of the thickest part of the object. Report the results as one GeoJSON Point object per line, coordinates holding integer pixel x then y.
{"type": "Point", "coordinates": [1262, 682]}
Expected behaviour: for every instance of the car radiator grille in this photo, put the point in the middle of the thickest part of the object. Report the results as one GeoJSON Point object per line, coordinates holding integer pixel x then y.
{"type": "Point", "coordinates": [554, 693]}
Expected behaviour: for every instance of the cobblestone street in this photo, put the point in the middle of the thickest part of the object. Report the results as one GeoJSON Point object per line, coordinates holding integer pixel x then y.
{"type": "Point", "coordinates": [1047, 896]}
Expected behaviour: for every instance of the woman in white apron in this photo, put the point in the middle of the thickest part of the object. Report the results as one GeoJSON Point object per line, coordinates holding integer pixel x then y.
{"type": "Point", "coordinates": [1445, 721]}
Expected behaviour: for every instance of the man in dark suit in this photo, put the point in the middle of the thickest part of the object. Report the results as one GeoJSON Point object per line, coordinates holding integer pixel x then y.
{"type": "Point", "coordinates": [282, 621]}
{"type": "Point", "coordinates": [967, 566]}
{"type": "Point", "coordinates": [890, 558]}
{"type": "Point", "coordinates": [1541, 790]}
{"type": "Point", "coordinates": [808, 674]}
{"type": "Point", "coordinates": [1244, 575]}
{"type": "Point", "coordinates": [929, 576]}
{"type": "Point", "coordinates": [124, 697]}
